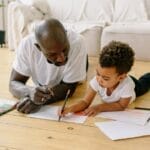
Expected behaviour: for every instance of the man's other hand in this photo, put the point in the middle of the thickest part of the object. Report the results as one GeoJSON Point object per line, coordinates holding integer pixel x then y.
{"type": "Point", "coordinates": [27, 106]}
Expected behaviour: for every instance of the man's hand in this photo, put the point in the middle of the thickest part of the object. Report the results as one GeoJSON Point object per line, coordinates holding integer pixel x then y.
{"type": "Point", "coordinates": [40, 95]}
{"type": "Point", "coordinates": [27, 106]}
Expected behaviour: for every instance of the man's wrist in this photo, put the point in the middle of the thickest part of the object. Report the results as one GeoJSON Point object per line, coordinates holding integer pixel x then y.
{"type": "Point", "coordinates": [35, 103]}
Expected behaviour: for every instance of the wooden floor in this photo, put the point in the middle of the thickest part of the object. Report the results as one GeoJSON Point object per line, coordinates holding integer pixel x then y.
{"type": "Point", "coordinates": [18, 132]}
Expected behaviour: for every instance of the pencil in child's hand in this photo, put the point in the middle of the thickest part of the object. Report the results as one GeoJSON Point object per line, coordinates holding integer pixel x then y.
{"type": "Point", "coordinates": [63, 107]}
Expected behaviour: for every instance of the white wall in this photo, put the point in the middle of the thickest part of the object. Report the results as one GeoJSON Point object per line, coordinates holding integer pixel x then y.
{"type": "Point", "coordinates": [3, 16]}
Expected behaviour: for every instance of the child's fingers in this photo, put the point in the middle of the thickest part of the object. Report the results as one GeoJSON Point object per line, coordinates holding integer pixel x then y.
{"type": "Point", "coordinates": [88, 112]}
{"type": "Point", "coordinates": [80, 113]}
{"type": "Point", "coordinates": [65, 111]}
{"type": "Point", "coordinates": [60, 113]}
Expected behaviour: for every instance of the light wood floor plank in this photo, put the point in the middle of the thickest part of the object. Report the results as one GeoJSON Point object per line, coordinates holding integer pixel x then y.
{"type": "Point", "coordinates": [22, 133]}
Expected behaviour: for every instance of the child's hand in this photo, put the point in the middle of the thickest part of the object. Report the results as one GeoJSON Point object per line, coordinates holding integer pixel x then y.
{"type": "Point", "coordinates": [78, 107]}
{"type": "Point", "coordinates": [92, 111]}
{"type": "Point", "coordinates": [66, 111]}
{"type": "Point", "coordinates": [71, 109]}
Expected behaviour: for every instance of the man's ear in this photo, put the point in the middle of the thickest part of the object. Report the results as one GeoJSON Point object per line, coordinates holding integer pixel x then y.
{"type": "Point", "coordinates": [37, 46]}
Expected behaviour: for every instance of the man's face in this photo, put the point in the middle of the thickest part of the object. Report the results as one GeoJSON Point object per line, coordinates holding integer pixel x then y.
{"type": "Point", "coordinates": [55, 53]}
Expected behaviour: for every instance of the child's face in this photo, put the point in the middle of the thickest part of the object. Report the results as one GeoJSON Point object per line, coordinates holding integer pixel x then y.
{"type": "Point", "coordinates": [107, 77]}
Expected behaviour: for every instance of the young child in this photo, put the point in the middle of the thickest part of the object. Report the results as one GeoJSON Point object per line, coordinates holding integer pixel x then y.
{"type": "Point", "coordinates": [112, 82]}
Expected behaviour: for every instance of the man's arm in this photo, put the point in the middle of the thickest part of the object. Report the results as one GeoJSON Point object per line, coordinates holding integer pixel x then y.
{"type": "Point", "coordinates": [17, 84]}
{"type": "Point", "coordinates": [18, 87]}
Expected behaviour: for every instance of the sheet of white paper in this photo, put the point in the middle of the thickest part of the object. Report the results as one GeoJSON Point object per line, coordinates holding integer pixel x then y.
{"type": "Point", "coordinates": [51, 113]}
{"type": "Point", "coordinates": [117, 130]}
{"type": "Point", "coordinates": [136, 116]}
{"type": "Point", "coordinates": [6, 105]}
{"type": "Point", "coordinates": [6, 101]}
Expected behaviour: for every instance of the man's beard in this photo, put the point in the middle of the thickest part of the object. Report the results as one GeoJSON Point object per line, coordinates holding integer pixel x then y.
{"type": "Point", "coordinates": [58, 63]}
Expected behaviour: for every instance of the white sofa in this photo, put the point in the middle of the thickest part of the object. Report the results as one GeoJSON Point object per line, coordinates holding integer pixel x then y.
{"type": "Point", "coordinates": [99, 21]}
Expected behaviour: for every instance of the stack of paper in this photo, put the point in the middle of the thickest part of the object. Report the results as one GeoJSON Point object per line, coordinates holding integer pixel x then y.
{"type": "Point", "coordinates": [130, 123]}
{"type": "Point", "coordinates": [51, 113]}
{"type": "Point", "coordinates": [116, 130]}
{"type": "Point", "coordinates": [129, 115]}
{"type": "Point", "coordinates": [6, 105]}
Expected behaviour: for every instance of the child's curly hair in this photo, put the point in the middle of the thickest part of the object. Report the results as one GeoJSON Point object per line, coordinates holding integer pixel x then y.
{"type": "Point", "coordinates": [117, 54]}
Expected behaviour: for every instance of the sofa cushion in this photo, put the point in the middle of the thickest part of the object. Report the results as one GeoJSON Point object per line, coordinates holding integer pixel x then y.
{"type": "Point", "coordinates": [91, 31]}
{"type": "Point", "coordinates": [79, 10]}
{"type": "Point", "coordinates": [82, 26]}
{"type": "Point", "coordinates": [66, 10]}
{"type": "Point", "coordinates": [98, 10]}
{"type": "Point", "coordinates": [131, 28]}
{"type": "Point", "coordinates": [92, 38]}
{"type": "Point", "coordinates": [39, 4]}
{"type": "Point", "coordinates": [137, 35]}
{"type": "Point", "coordinates": [147, 5]}
{"type": "Point", "coordinates": [130, 11]}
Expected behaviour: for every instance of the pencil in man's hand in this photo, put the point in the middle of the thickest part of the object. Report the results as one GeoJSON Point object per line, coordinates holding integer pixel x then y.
{"type": "Point", "coordinates": [63, 107]}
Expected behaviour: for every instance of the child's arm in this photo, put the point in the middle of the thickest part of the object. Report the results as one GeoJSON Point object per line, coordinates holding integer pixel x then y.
{"type": "Point", "coordinates": [81, 105]}
{"type": "Point", "coordinates": [115, 106]}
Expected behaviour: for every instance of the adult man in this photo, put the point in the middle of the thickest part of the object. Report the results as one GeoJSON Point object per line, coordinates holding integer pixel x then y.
{"type": "Point", "coordinates": [56, 61]}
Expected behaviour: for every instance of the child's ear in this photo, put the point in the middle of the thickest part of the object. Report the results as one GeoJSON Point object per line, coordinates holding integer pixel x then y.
{"type": "Point", "coordinates": [122, 76]}
{"type": "Point", "coordinates": [37, 46]}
